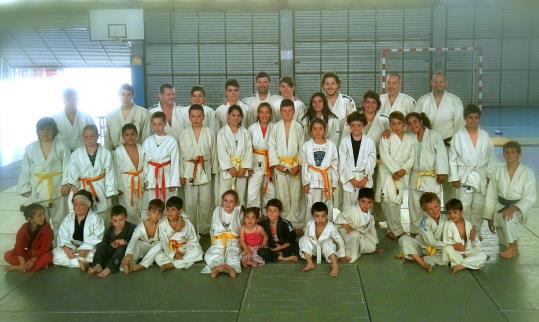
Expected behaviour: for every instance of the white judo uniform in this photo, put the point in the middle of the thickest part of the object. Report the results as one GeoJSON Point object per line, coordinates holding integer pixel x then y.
{"type": "Point", "coordinates": [184, 241]}
{"type": "Point", "coordinates": [43, 179]}
{"type": "Point", "coordinates": [376, 128]}
{"type": "Point", "coordinates": [137, 116]}
{"type": "Point", "coordinates": [71, 134]}
{"type": "Point", "coordinates": [343, 106]}
{"type": "Point", "coordinates": [287, 153]}
{"type": "Point", "coordinates": [328, 243]}
{"type": "Point", "coordinates": [221, 114]}
{"type": "Point", "coordinates": [503, 191]}
{"type": "Point", "coordinates": [472, 257]}
{"type": "Point", "coordinates": [178, 122]}
{"type": "Point", "coordinates": [198, 163]}
{"type": "Point", "coordinates": [234, 150]}
{"type": "Point", "coordinates": [299, 109]}
{"type": "Point", "coordinates": [93, 231]}
{"type": "Point", "coordinates": [142, 247]}
{"type": "Point", "coordinates": [162, 165]}
{"type": "Point", "coordinates": [99, 178]}
{"type": "Point", "coordinates": [225, 244]}
{"type": "Point", "coordinates": [210, 120]}
{"type": "Point", "coordinates": [320, 171]}
{"type": "Point", "coordinates": [254, 100]}
{"type": "Point", "coordinates": [470, 165]}
{"type": "Point", "coordinates": [130, 182]}
{"type": "Point", "coordinates": [447, 118]}
{"type": "Point", "coordinates": [362, 168]}
{"type": "Point", "coordinates": [403, 103]}
{"type": "Point", "coordinates": [261, 181]}
{"type": "Point", "coordinates": [332, 129]}
{"type": "Point", "coordinates": [395, 154]}
{"type": "Point", "coordinates": [363, 239]}
{"type": "Point", "coordinates": [430, 161]}
{"type": "Point", "coordinates": [429, 241]}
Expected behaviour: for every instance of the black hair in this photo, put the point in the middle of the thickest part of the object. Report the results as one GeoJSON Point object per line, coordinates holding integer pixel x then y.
{"type": "Point", "coordinates": [367, 193]}
{"type": "Point", "coordinates": [156, 204]}
{"type": "Point", "coordinates": [319, 207]}
{"type": "Point", "coordinates": [118, 210]}
{"type": "Point", "coordinates": [275, 203]}
{"type": "Point", "coordinates": [46, 122]}
{"type": "Point", "coordinates": [454, 204]}
{"type": "Point", "coordinates": [175, 202]}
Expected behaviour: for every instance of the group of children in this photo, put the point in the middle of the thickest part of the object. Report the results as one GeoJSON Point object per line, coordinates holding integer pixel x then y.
{"type": "Point", "coordinates": [326, 157]}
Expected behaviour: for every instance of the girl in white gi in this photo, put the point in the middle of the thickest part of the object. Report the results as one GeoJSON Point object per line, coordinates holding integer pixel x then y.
{"type": "Point", "coordinates": [252, 238]}
{"type": "Point", "coordinates": [510, 195]}
{"type": "Point", "coordinates": [357, 227]}
{"type": "Point", "coordinates": [470, 156]}
{"type": "Point", "coordinates": [43, 166]}
{"type": "Point", "coordinates": [426, 248]}
{"type": "Point", "coordinates": [235, 153]}
{"type": "Point", "coordinates": [198, 163]}
{"type": "Point", "coordinates": [319, 174]}
{"type": "Point", "coordinates": [179, 241]}
{"type": "Point", "coordinates": [224, 254]}
{"type": "Point", "coordinates": [319, 109]}
{"type": "Point", "coordinates": [286, 90]}
{"type": "Point", "coordinates": [397, 155]}
{"type": "Point", "coordinates": [128, 112]}
{"type": "Point", "coordinates": [261, 180]}
{"type": "Point", "coordinates": [92, 168]}
{"type": "Point", "coordinates": [144, 244]}
{"type": "Point", "coordinates": [462, 249]}
{"type": "Point", "coordinates": [129, 159]}
{"type": "Point", "coordinates": [357, 159]}
{"type": "Point", "coordinates": [161, 159]}
{"type": "Point", "coordinates": [232, 94]}
{"type": "Point", "coordinates": [321, 238]}
{"type": "Point", "coordinates": [79, 234]}
{"type": "Point", "coordinates": [71, 121]}
{"type": "Point", "coordinates": [285, 142]}
{"type": "Point", "coordinates": [431, 166]}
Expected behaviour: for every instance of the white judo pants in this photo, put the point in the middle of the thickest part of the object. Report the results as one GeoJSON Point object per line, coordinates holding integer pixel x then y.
{"type": "Point", "coordinates": [411, 247]}
{"type": "Point", "coordinates": [198, 206]}
{"type": "Point", "coordinates": [317, 195]}
{"type": "Point", "coordinates": [190, 257]}
{"type": "Point", "coordinates": [240, 187]}
{"type": "Point", "coordinates": [146, 252]}
{"type": "Point", "coordinates": [473, 204]}
{"type": "Point", "coordinates": [134, 212]}
{"type": "Point", "coordinates": [392, 212]}
{"type": "Point", "coordinates": [472, 259]}
{"type": "Point", "coordinates": [507, 230]}
{"type": "Point", "coordinates": [356, 244]}
{"type": "Point", "coordinates": [289, 190]}
{"type": "Point", "coordinates": [326, 248]}
{"type": "Point", "coordinates": [60, 258]}
{"type": "Point", "coordinates": [255, 189]}
{"type": "Point", "coordinates": [217, 255]}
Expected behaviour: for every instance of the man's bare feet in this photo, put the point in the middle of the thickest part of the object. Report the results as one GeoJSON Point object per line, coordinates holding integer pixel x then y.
{"type": "Point", "coordinates": [345, 259]}
{"type": "Point", "coordinates": [166, 267]}
{"type": "Point", "coordinates": [334, 269]}
{"type": "Point", "coordinates": [83, 266]}
{"type": "Point", "coordinates": [137, 268]}
{"type": "Point", "coordinates": [457, 268]}
{"type": "Point", "coordinates": [104, 273]}
{"type": "Point", "coordinates": [509, 253]}
{"type": "Point", "coordinates": [426, 266]}
{"type": "Point", "coordinates": [309, 267]}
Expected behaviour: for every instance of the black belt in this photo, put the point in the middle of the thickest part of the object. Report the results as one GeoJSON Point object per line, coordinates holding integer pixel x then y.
{"type": "Point", "coordinates": [506, 203]}
{"type": "Point", "coordinates": [447, 142]}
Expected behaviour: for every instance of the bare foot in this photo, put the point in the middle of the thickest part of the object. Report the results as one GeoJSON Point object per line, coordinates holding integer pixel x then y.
{"type": "Point", "coordinates": [390, 235]}
{"type": "Point", "coordinates": [127, 268]}
{"type": "Point", "coordinates": [166, 267]}
{"type": "Point", "coordinates": [83, 266]}
{"type": "Point", "coordinates": [231, 272]}
{"type": "Point", "coordinates": [215, 271]}
{"type": "Point", "coordinates": [253, 264]}
{"type": "Point", "coordinates": [509, 253]}
{"type": "Point", "coordinates": [309, 267]}
{"type": "Point", "coordinates": [426, 267]}
{"type": "Point", "coordinates": [137, 268]}
{"type": "Point", "coordinates": [457, 268]}
{"type": "Point", "coordinates": [95, 270]}
{"type": "Point", "coordinates": [346, 259]}
{"type": "Point", "coordinates": [334, 270]}
{"type": "Point", "coordinates": [104, 273]}
{"type": "Point", "coordinates": [288, 259]}
{"type": "Point", "coordinates": [379, 251]}
{"type": "Point", "coordinates": [399, 256]}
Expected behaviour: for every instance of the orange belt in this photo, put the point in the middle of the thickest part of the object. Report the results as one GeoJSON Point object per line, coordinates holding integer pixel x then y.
{"type": "Point", "coordinates": [160, 192]}
{"type": "Point", "coordinates": [135, 174]}
{"type": "Point", "coordinates": [265, 154]}
{"type": "Point", "coordinates": [175, 245]}
{"type": "Point", "coordinates": [88, 182]}
{"type": "Point", "coordinates": [325, 176]}
{"type": "Point", "coordinates": [199, 161]}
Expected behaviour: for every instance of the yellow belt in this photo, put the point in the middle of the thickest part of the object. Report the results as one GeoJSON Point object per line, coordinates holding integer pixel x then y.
{"type": "Point", "coordinates": [223, 238]}
{"type": "Point", "coordinates": [237, 163]}
{"type": "Point", "coordinates": [267, 169]}
{"type": "Point", "coordinates": [133, 174]}
{"type": "Point", "coordinates": [325, 175]}
{"type": "Point", "coordinates": [421, 174]}
{"type": "Point", "coordinates": [431, 251]}
{"type": "Point", "coordinates": [289, 161]}
{"type": "Point", "coordinates": [47, 176]}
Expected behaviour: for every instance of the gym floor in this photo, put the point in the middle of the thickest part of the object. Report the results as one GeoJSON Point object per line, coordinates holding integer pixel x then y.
{"type": "Point", "coordinates": [375, 288]}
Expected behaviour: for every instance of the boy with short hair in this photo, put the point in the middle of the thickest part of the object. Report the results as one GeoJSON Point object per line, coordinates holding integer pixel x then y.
{"type": "Point", "coordinates": [144, 243]}
{"type": "Point", "coordinates": [282, 245]}
{"type": "Point", "coordinates": [179, 241]}
{"type": "Point", "coordinates": [461, 248]}
{"type": "Point", "coordinates": [232, 94]}
{"type": "Point", "coordinates": [357, 226]}
{"type": "Point", "coordinates": [425, 248]}
{"type": "Point", "coordinates": [321, 239]}
{"type": "Point", "coordinates": [110, 252]}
